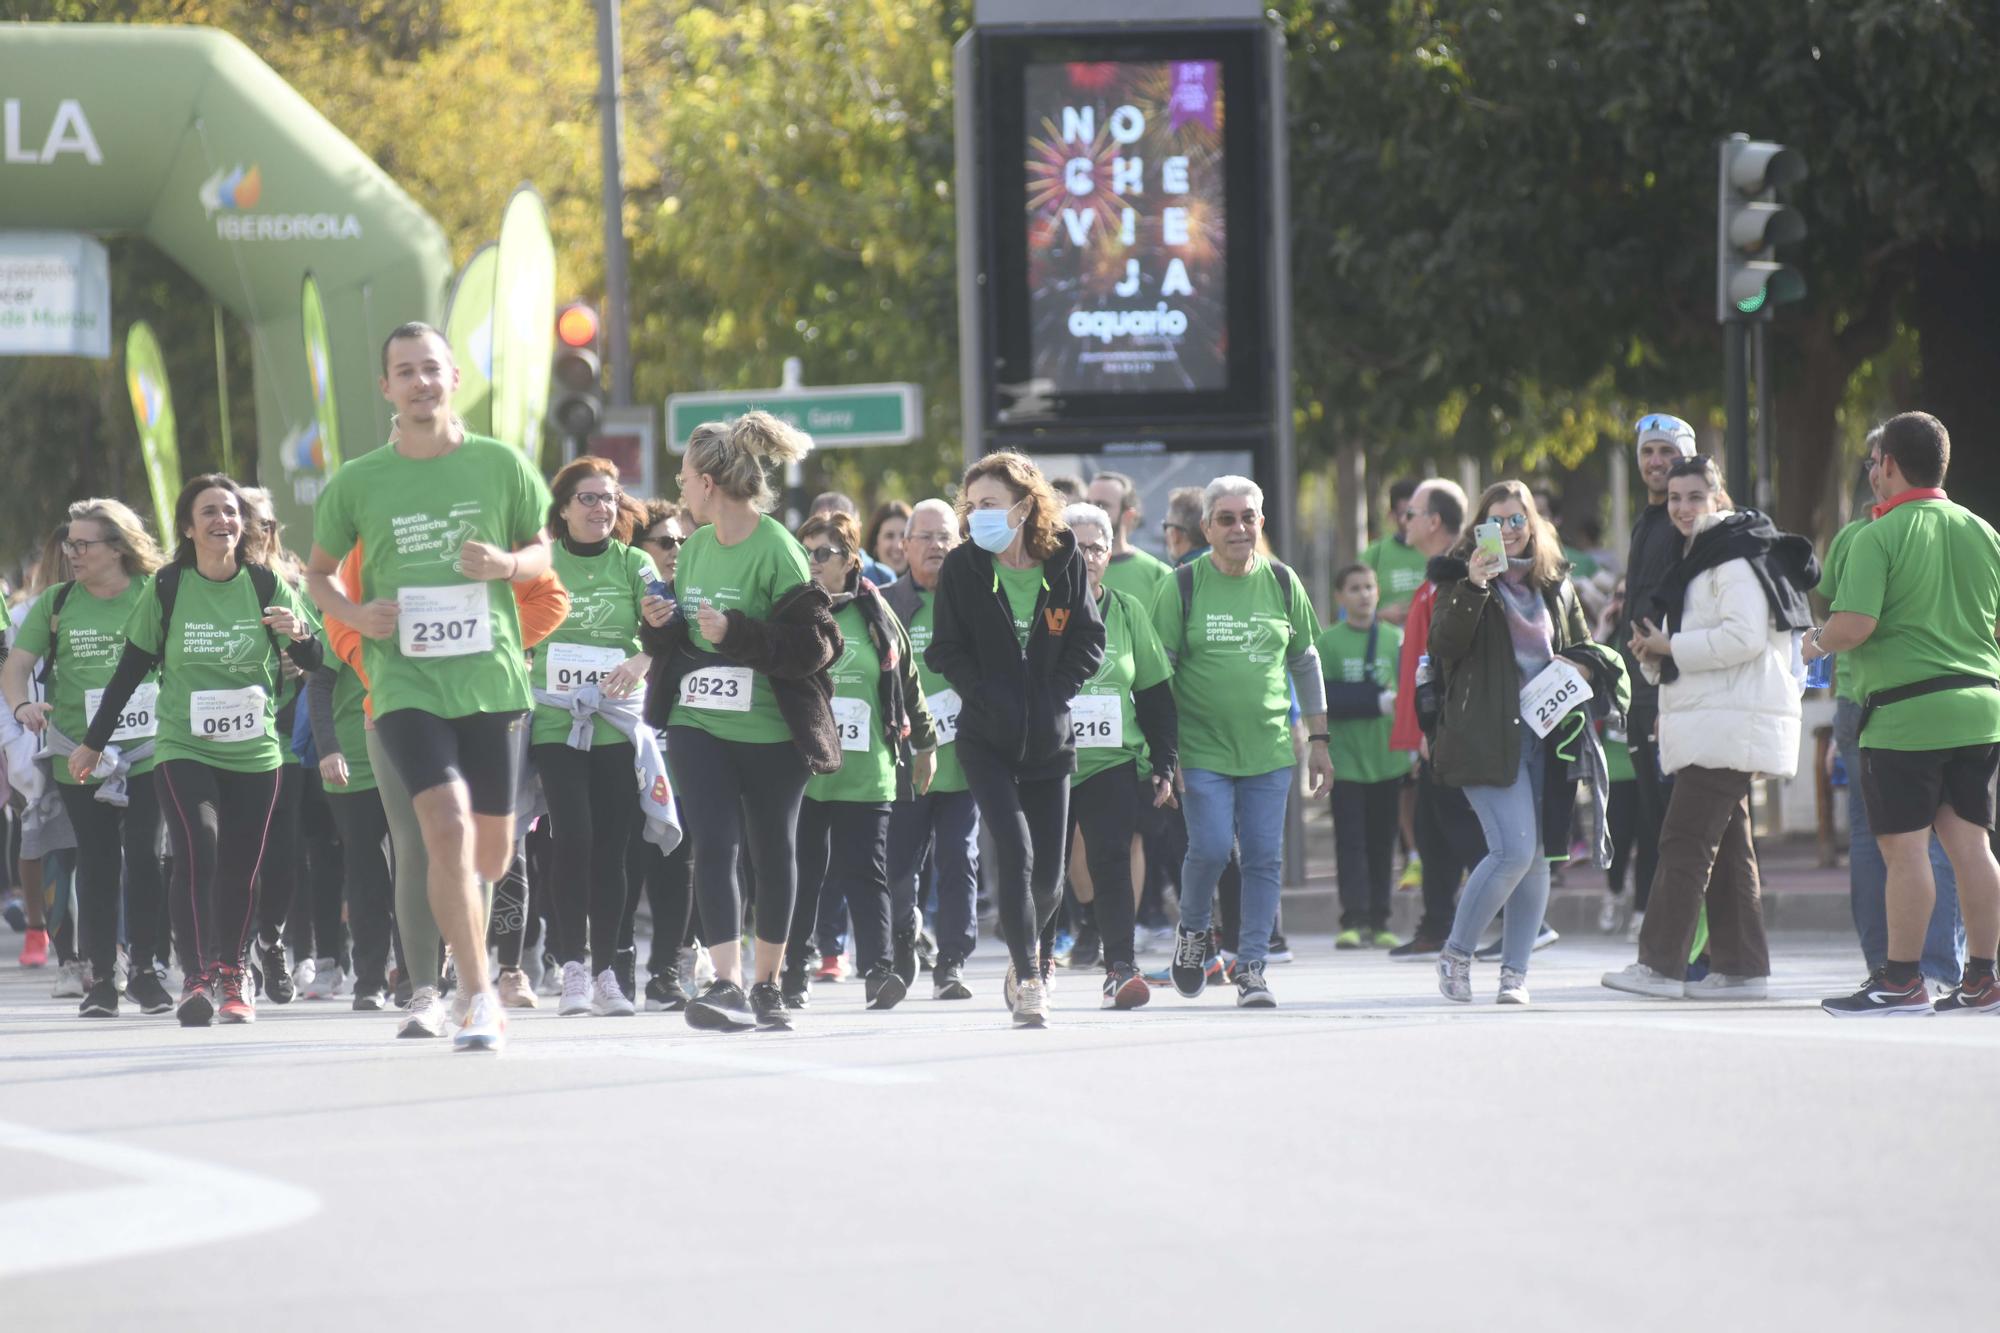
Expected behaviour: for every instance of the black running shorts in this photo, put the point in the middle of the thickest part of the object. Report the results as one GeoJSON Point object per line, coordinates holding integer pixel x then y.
{"type": "Point", "coordinates": [1905, 789]}
{"type": "Point", "coordinates": [483, 751]}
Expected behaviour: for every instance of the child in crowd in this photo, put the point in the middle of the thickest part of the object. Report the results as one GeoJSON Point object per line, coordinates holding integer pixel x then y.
{"type": "Point", "coordinates": [1358, 658]}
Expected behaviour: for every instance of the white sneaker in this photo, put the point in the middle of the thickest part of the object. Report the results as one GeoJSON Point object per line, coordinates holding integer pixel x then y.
{"type": "Point", "coordinates": [1546, 936]}
{"type": "Point", "coordinates": [1513, 987]}
{"type": "Point", "coordinates": [485, 1025]}
{"type": "Point", "coordinates": [575, 990]}
{"type": "Point", "coordinates": [426, 1014]}
{"type": "Point", "coordinates": [549, 981]}
{"type": "Point", "coordinates": [1611, 913]}
{"type": "Point", "coordinates": [704, 967]}
{"type": "Point", "coordinates": [321, 979]}
{"type": "Point", "coordinates": [1638, 979]}
{"type": "Point", "coordinates": [606, 999]}
{"type": "Point", "coordinates": [69, 981]}
{"type": "Point", "coordinates": [1632, 930]}
{"type": "Point", "coordinates": [1716, 986]}
{"type": "Point", "coordinates": [1031, 1004]}
{"type": "Point", "coordinates": [1010, 989]}
{"type": "Point", "coordinates": [460, 1002]}
{"type": "Point", "coordinates": [514, 990]}
{"type": "Point", "coordinates": [1454, 973]}
{"type": "Point", "coordinates": [303, 977]}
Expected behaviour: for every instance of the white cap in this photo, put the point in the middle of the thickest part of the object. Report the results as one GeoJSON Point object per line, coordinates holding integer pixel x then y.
{"type": "Point", "coordinates": [1660, 426]}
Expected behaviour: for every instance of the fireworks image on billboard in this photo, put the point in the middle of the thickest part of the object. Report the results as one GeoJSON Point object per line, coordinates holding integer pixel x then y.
{"type": "Point", "coordinates": [1127, 222]}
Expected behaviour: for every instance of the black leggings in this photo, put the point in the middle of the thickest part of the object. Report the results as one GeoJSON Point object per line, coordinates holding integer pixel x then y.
{"type": "Point", "coordinates": [1105, 807]}
{"type": "Point", "coordinates": [1027, 818]}
{"type": "Point", "coordinates": [371, 893]}
{"type": "Point", "coordinates": [277, 883]}
{"type": "Point", "coordinates": [1364, 845]}
{"type": "Point", "coordinates": [115, 846]}
{"type": "Point", "coordinates": [844, 849]}
{"type": "Point", "coordinates": [667, 883]}
{"type": "Point", "coordinates": [740, 795]}
{"type": "Point", "coordinates": [592, 803]}
{"type": "Point", "coordinates": [314, 928]}
{"type": "Point", "coordinates": [219, 822]}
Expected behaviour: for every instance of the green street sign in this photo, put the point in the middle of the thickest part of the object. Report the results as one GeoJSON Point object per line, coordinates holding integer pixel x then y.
{"type": "Point", "coordinates": [836, 416]}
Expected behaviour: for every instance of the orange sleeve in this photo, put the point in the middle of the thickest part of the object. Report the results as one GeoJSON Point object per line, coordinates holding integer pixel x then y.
{"type": "Point", "coordinates": [544, 605]}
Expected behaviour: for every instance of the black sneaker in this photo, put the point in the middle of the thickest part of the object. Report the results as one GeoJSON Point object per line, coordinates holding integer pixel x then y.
{"type": "Point", "coordinates": [721, 1008]}
{"type": "Point", "coordinates": [273, 974]}
{"type": "Point", "coordinates": [625, 964]}
{"type": "Point", "coordinates": [885, 988]}
{"type": "Point", "coordinates": [1421, 948]}
{"type": "Point", "coordinates": [145, 989]}
{"type": "Point", "coordinates": [1124, 987]}
{"type": "Point", "coordinates": [404, 990]}
{"type": "Point", "coordinates": [1087, 950]}
{"type": "Point", "coordinates": [904, 959]}
{"type": "Point", "coordinates": [664, 994]}
{"type": "Point", "coordinates": [1252, 992]}
{"type": "Point", "coordinates": [1981, 995]}
{"type": "Point", "coordinates": [197, 1006]}
{"type": "Point", "coordinates": [100, 1001]}
{"type": "Point", "coordinates": [1189, 970]}
{"type": "Point", "coordinates": [768, 1004]}
{"type": "Point", "coordinates": [371, 997]}
{"type": "Point", "coordinates": [1880, 998]}
{"type": "Point", "coordinates": [794, 987]}
{"type": "Point", "coordinates": [948, 980]}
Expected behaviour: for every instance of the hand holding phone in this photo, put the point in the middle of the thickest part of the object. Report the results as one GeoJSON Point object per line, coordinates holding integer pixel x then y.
{"type": "Point", "coordinates": [1488, 540]}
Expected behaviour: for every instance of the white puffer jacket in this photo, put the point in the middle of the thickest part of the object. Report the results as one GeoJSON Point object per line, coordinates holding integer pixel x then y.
{"type": "Point", "coordinates": [1736, 704]}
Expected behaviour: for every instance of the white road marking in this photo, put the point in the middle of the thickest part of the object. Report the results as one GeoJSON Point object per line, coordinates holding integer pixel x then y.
{"type": "Point", "coordinates": [707, 1054]}
{"type": "Point", "coordinates": [172, 1203]}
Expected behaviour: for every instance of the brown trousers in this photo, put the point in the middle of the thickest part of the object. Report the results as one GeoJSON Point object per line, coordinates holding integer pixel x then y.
{"type": "Point", "coordinates": [1706, 852]}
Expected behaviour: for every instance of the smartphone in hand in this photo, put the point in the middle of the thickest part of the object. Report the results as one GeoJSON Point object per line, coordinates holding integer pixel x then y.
{"type": "Point", "coordinates": [1486, 539]}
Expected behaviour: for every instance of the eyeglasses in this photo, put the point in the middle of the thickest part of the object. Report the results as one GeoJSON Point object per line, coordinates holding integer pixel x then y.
{"type": "Point", "coordinates": [666, 541]}
{"type": "Point", "coordinates": [1173, 527]}
{"type": "Point", "coordinates": [1246, 519]}
{"type": "Point", "coordinates": [593, 499]}
{"type": "Point", "coordinates": [925, 538]}
{"type": "Point", "coordinates": [1090, 549]}
{"type": "Point", "coordinates": [1513, 522]}
{"type": "Point", "coordinates": [821, 554]}
{"type": "Point", "coordinates": [1870, 463]}
{"type": "Point", "coordinates": [79, 545]}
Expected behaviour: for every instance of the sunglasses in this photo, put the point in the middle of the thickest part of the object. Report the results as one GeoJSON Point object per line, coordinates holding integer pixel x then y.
{"type": "Point", "coordinates": [665, 541]}
{"type": "Point", "coordinates": [594, 499]}
{"type": "Point", "coordinates": [1246, 519]}
{"type": "Point", "coordinates": [1512, 523]}
{"type": "Point", "coordinates": [821, 554]}
{"type": "Point", "coordinates": [1661, 421]}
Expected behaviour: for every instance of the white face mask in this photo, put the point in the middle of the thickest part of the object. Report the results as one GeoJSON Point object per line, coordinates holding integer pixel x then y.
{"type": "Point", "coordinates": [991, 531]}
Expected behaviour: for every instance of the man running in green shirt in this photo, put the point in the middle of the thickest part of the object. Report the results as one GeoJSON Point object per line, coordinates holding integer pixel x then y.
{"type": "Point", "coordinates": [445, 521]}
{"type": "Point", "coordinates": [1916, 610]}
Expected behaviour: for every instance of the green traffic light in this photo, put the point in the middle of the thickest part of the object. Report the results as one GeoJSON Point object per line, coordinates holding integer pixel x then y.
{"type": "Point", "coordinates": [1752, 304]}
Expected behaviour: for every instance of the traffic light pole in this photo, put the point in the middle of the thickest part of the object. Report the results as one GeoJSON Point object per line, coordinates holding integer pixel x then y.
{"type": "Point", "coordinates": [611, 134]}
{"type": "Point", "coordinates": [1736, 400]}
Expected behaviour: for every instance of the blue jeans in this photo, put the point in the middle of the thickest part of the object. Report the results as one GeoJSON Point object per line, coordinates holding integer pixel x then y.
{"type": "Point", "coordinates": [1246, 815]}
{"type": "Point", "coordinates": [1868, 876]}
{"type": "Point", "coordinates": [1514, 875]}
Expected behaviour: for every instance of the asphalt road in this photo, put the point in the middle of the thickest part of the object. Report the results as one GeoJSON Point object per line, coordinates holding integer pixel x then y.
{"type": "Point", "coordinates": [1363, 1157]}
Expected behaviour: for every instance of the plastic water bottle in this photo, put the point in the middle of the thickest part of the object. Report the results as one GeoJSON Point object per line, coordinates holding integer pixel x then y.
{"type": "Point", "coordinates": [1424, 669]}
{"type": "Point", "coordinates": [1819, 673]}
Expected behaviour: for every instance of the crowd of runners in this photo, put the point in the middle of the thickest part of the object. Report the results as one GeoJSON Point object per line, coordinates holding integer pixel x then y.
{"type": "Point", "coordinates": [441, 765]}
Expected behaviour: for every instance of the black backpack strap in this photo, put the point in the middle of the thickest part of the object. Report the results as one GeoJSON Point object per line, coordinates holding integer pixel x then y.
{"type": "Point", "coordinates": [1184, 577]}
{"type": "Point", "coordinates": [265, 580]}
{"type": "Point", "coordinates": [1284, 575]}
{"type": "Point", "coordinates": [167, 587]}
{"type": "Point", "coordinates": [57, 597]}
{"type": "Point", "coordinates": [1368, 653]}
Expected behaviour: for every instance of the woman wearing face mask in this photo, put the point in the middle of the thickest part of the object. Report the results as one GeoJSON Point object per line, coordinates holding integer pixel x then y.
{"type": "Point", "coordinates": [1017, 635]}
{"type": "Point", "coordinates": [878, 707]}
{"type": "Point", "coordinates": [1506, 612]}
{"type": "Point", "coordinates": [1721, 641]}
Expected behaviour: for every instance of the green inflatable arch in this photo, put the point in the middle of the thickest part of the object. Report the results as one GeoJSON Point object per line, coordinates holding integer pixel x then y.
{"type": "Point", "coordinates": [184, 136]}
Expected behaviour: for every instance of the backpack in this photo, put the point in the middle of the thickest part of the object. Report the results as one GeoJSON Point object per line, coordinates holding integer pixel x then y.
{"type": "Point", "coordinates": [1184, 579]}
{"type": "Point", "coordinates": [167, 587]}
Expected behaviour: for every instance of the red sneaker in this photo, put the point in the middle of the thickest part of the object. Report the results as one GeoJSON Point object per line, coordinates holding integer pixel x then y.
{"type": "Point", "coordinates": [238, 1002]}
{"type": "Point", "coordinates": [830, 969]}
{"type": "Point", "coordinates": [1980, 996]}
{"type": "Point", "coordinates": [35, 949]}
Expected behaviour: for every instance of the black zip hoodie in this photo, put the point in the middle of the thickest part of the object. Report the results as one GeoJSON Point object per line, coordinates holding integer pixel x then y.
{"type": "Point", "coordinates": [1014, 701]}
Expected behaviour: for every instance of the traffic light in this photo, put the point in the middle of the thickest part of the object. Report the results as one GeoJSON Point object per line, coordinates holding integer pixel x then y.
{"type": "Point", "coordinates": [577, 392]}
{"type": "Point", "coordinates": [1750, 223]}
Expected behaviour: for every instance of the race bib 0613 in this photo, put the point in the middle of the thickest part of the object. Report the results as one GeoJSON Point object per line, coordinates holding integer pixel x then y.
{"type": "Point", "coordinates": [228, 716]}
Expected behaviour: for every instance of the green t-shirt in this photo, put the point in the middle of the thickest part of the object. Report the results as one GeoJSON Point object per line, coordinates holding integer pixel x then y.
{"type": "Point", "coordinates": [350, 726]}
{"type": "Point", "coordinates": [749, 577]}
{"type": "Point", "coordinates": [92, 631]}
{"type": "Point", "coordinates": [219, 678]}
{"type": "Point", "coordinates": [1399, 570]}
{"type": "Point", "coordinates": [938, 694]}
{"type": "Point", "coordinates": [1022, 588]}
{"type": "Point", "coordinates": [1928, 571]}
{"type": "Point", "coordinates": [1582, 564]}
{"type": "Point", "coordinates": [600, 631]}
{"type": "Point", "coordinates": [1230, 681]}
{"type": "Point", "coordinates": [457, 649]}
{"type": "Point", "coordinates": [867, 771]}
{"type": "Point", "coordinates": [1107, 733]}
{"type": "Point", "coordinates": [1138, 575]}
{"type": "Point", "coordinates": [1846, 675]}
{"type": "Point", "coordinates": [1359, 746]}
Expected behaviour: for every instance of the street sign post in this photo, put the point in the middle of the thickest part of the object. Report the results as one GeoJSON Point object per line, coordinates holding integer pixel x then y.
{"type": "Point", "coordinates": [837, 416]}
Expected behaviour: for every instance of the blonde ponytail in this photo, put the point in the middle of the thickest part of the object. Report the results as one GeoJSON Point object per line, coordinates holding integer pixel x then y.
{"type": "Point", "coordinates": [737, 453]}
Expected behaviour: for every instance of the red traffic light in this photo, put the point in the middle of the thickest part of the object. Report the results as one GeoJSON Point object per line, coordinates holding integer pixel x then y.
{"type": "Point", "coordinates": [576, 326]}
